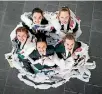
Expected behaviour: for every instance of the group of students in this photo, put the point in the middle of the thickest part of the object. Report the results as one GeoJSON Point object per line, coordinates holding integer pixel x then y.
{"type": "Point", "coordinates": [47, 41]}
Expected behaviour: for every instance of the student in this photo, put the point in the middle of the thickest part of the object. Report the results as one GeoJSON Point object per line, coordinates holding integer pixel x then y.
{"type": "Point", "coordinates": [43, 55]}
{"type": "Point", "coordinates": [65, 22]}
{"type": "Point", "coordinates": [23, 46]}
{"type": "Point", "coordinates": [75, 55]}
{"type": "Point", "coordinates": [71, 48]}
{"type": "Point", "coordinates": [38, 21]}
{"type": "Point", "coordinates": [35, 20]}
{"type": "Point", "coordinates": [13, 33]}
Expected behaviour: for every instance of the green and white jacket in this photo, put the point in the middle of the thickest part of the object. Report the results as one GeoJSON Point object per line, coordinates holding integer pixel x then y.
{"type": "Point", "coordinates": [74, 23]}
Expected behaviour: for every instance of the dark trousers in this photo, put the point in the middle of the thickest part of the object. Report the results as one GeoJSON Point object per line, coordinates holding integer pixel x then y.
{"type": "Point", "coordinates": [27, 65]}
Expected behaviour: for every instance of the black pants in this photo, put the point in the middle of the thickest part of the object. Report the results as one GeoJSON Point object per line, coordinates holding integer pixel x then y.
{"type": "Point", "coordinates": [27, 65]}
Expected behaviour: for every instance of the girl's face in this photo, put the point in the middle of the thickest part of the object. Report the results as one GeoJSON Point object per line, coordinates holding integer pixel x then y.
{"type": "Point", "coordinates": [69, 44]}
{"type": "Point", "coordinates": [41, 47]}
{"type": "Point", "coordinates": [64, 17]}
{"type": "Point", "coordinates": [37, 17]}
{"type": "Point", "coordinates": [21, 36]}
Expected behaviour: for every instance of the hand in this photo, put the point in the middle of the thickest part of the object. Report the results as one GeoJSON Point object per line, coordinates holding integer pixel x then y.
{"type": "Point", "coordinates": [74, 56]}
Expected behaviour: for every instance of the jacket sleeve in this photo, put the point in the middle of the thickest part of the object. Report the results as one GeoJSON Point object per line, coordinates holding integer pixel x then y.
{"type": "Point", "coordinates": [77, 20]}
{"type": "Point", "coordinates": [53, 21]}
{"type": "Point", "coordinates": [13, 33]}
{"type": "Point", "coordinates": [26, 18]}
{"type": "Point", "coordinates": [83, 54]}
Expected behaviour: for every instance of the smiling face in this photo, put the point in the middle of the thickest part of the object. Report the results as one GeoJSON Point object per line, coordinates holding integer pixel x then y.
{"type": "Point", "coordinates": [69, 44]}
{"type": "Point", "coordinates": [41, 47]}
{"type": "Point", "coordinates": [37, 17]}
{"type": "Point", "coordinates": [21, 36]}
{"type": "Point", "coordinates": [64, 17]}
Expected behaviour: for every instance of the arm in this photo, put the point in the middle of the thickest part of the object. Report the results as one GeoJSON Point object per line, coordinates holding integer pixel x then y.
{"type": "Point", "coordinates": [78, 32]}
{"type": "Point", "coordinates": [26, 19]}
{"type": "Point", "coordinates": [34, 62]}
{"type": "Point", "coordinates": [77, 21]}
{"type": "Point", "coordinates": [85, 49]}
{"type": "Point", "coordinates": [48, 61]}
{"type": "Point", "coordinates": [30, 47]}
{"type": "Point", "coordinates": [13, 33]}
{"type": "Point", "coordinates": [83, 55]}
{"type": "Point", "coordinates": [53, 21]}
{"type": "Point", "coordinates": [59, 62]}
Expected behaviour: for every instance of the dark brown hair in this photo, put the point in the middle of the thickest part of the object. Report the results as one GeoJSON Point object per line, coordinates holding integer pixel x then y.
{"type": "Point", "coordinates": [69, 36]}
{"type": "Point", "coordinates": [38, 10]}
{"type": "Point", "coordinates": [22, 29]}
{"type": "Point", "coordinates": [40, 37]}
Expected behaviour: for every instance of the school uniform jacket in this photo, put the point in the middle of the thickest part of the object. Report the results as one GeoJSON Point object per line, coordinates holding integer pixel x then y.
{"type": "Point", "coordinates": [80, 49]}
{"type": "Point", "coordinates": [36, 56]}
{"type": "Point", "coordinates": [60, 50]}
{"type": "Point", "coordinates": [72, 27]}
{"type": "Point", "coordinates": [23, 50]}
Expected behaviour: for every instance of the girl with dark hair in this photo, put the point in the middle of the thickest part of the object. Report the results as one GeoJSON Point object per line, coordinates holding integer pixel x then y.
{"type": "Point", "coordinates": [35, 20]}
{"type": "Point", "coordinates": [44, 56]}
{"type": "Point", "coordinates": [38, 17]}
{"type": "Point", "coordinates": [38, 20]}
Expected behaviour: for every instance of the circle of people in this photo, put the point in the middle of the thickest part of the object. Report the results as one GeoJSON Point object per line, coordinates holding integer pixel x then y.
{"type": "Point", "coordinates": [46, 50]}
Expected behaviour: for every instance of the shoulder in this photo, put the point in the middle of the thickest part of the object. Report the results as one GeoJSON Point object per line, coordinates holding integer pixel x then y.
{"type": "Point", "coordinates": [33, 54]}
{"type": "Point", "coordinates": [30, 42]}
{"type": "Point", "coordinates": [26, 14]}
{"type": "Point", "coordinates": [60, 47]}
{"type": "Point", "coordinates": [79, 46]}
{"type": "Point", "coordinates": [50, 15]}
{"type": "Point", "coordinates": [13, 33]}
{"type": "Point", "coordinates": [44, 21]}
{"type": "Point", "coordinates": [50, 49]}
{"type": "Point", "coordinates": [84, 46]}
